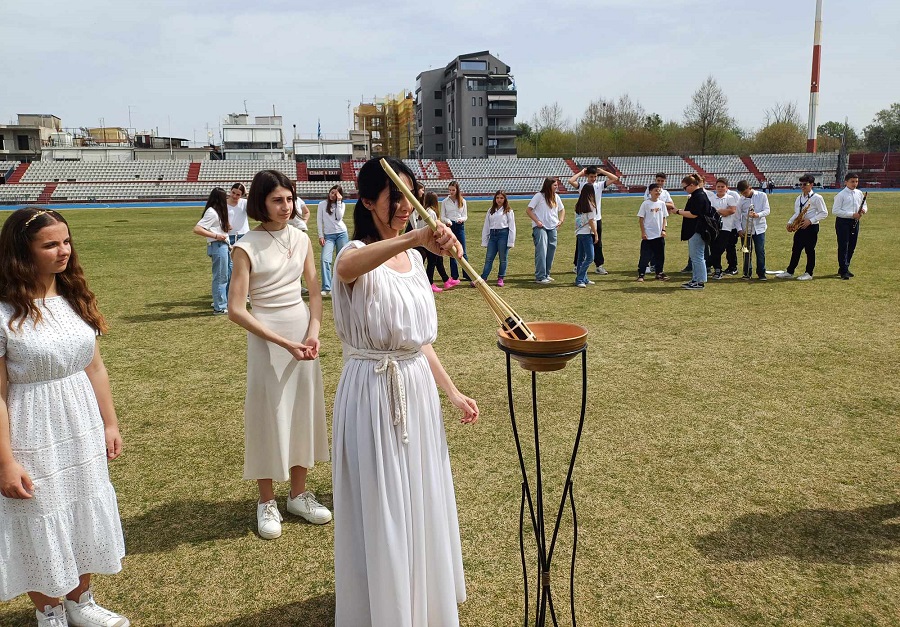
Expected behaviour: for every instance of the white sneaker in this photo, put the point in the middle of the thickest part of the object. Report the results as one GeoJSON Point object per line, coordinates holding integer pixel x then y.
{"type": "Point", "coordinates": [86, 613]}
{"type": "Point", "coordinates": [650, 270]}
{"type": "Point", "coordinates": [268, 520]}
{"type": "Point", "coordinates": [51, 617]}
{"type": "Point", "coordinates": [307, 507]}
{"type": "Point", "coordinates": [806, 276]}
{"type": "Point", "coordinates": [591, 282]}
{"type": "Point", "coordinates": [784, 275]}
{"type": "Point", "coordinates": [600, 270]}
{"type": "Point", "coordinates": [326, 293]}
{"type": "Point", "coordinates": [543, 281]}
{"type": "Point", "coordinates": [551, 279]}
{"type": "Point", "coordinates": [580, 285]}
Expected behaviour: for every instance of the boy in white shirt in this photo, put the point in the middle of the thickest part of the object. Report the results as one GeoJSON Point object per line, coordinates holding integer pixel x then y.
{"type": "Point", "coordinates": [725, 202]}
{"type": "Point", "coordinates": [849, 206]}
{"type": "Point", "coordinates": [754, 205]}
{"type": "Point", "coordinates": [652, 218]}
{"type": "Point", "coordinates": [811, 205]}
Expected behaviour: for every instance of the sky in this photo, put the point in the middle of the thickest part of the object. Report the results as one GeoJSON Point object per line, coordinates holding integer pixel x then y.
{"type": "Point", "coordinates": [184, 65]}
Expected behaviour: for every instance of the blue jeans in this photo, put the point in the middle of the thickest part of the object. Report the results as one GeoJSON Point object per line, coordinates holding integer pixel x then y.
{"type": "Point", "coordinates": [498, 241]}
{"type": "Point", "coordinates": [334, 242]}
{"type": "Point", "coordinates": [584, 255]}
{"type": "Point", "coordinates": [759, 247]}
{"type": "Point", "coordinates": [232, 239]}
{"type": "Point", "coordinates": [221, 273]}
{"type": "Point", "coordinates": [696, 249]}
{"type": "Point", "coordinates": [459, 230]}
{"type": "Point", "coordinates": [544, 251]}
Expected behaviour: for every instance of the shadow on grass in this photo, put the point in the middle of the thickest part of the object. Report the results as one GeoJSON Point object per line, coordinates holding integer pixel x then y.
{"type": "Point", "coordinates": [317, 611]}
{"type": "Point", "coordinates": [857, 537]}
{"type": "Point", "coordinates": [171, 525]}
{"type": "Point", "coordinates": [173, 310]}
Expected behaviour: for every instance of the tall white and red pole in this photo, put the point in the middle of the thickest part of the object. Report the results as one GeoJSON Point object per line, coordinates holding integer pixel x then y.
{"type": "Point", "coordinates": [814, 84]}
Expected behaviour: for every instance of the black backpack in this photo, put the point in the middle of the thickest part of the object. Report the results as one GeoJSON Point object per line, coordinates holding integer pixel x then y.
{"type": "Point", "coordinates": [712, 225]}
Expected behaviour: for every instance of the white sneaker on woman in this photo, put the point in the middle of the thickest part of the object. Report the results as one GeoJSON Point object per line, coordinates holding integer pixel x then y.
{"type": "Point", "coordinates": [86, 613]}
{"type": "Point", "coordinates": [268, 520]}
{"type": "Point", "coordinates": [51, 617]}
{"type": "Point", "coordinates": [307, 507]}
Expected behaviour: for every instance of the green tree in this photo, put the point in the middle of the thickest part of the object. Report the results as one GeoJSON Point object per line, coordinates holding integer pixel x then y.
{"type": "Point", "coordinates": [707, 115]}
{"type": "Point", "coordinates": [883, 133]}
{"type": "Point", "coordinates": [780, 137]}
{"type": "Point", "coordinates": [830, 134]}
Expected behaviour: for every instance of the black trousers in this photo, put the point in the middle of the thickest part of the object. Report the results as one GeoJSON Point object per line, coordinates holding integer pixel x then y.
{"type": "Point", "coordinates": [847, 230]}
{"type": "Point", "coordinates": [435, 262]}
{"type": "Point", "coordinates": [652, 251]}
{"type": "Point", "coordinates": [804, 240]}
{"type": "Point", "coordinates": [725, 243]}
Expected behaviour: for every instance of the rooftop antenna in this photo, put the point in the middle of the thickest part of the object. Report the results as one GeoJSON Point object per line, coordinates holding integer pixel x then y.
{"type": "Point", "coordinates": [245, 108]}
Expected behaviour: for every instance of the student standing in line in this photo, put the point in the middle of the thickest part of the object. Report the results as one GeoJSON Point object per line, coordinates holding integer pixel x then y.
{"type": "Point", "coordinates": [435, 262]}
{"type": "Point", "coordinates": [665, 197]}
{"type": "Point", "coordinates": [547, 213]}
{"type": "Point", "coordinates": [848, 208]}
{"type": "Point", "coordinates": [652, 218]}
{"type": "Point", "coordinates": [724, 201]}
{"type": "Point", "coordinates": [498, 235]}
{"type": "Point", "coordinates": [454, 213]}
{"type": "Point", "coordinates": [693, 227]}
{"type": "Point", "coordinates": [59, 519]}
{"type": "Point", "coordinates": [591, 175]}
{"type": "Point", "coordinates": [214, 225]}
{"type": "Point", "coordinates": [332, 232]}
{"type": "Point", "coordinates": [811, 207]}
{"type": "Point", "coordinates": [755, 205]}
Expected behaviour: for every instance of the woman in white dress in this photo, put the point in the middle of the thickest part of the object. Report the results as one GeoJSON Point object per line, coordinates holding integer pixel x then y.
{"type": "Point", "coordinates": [284, 411]}
{"type": "Point", "coordinates": [59, 519]}
{"type": "Point", "coordinates": [398, 559]}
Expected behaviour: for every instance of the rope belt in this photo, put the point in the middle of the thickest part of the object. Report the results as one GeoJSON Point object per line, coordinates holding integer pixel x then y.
{"type": "Point", "coordinates": [387, 363]}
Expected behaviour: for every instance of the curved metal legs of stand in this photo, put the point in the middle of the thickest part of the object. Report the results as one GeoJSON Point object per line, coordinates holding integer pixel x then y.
{"type": "Point", "coordinates": [535, 502]}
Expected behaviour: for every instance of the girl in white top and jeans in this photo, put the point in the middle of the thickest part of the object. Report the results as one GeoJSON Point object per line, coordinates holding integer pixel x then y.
{"type": "Point", "coordinates": [498, 235]}
{"type": "Point", "coordinates": [547, 213]}
{"type": "Point", "coordinates": [332, 232]}
{"type": "Point", "coordinates": [214, 226]}
{"type": "Point", "coordinates": [454, 213]}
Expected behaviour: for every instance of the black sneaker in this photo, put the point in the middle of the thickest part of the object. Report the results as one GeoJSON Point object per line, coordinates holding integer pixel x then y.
{"type": "Point", "coordinates": [688, 283]}
{"type": "Point", "coordinates": [686, 270]}
{"type": "Point", "coordinates": [717, 275]}
{"type": "Point", "coordinates": [731, 271]}
{"type": "Point", "coordinates": [762, 278]}
{"type": "Point", "coordinates": [846, 276]}
{"type": "Point", "coordinates": [693, 285]}
{"type": "Point", "coordinates": [746, 277]}
{"type": "Point", "coordinates": [850, 274]}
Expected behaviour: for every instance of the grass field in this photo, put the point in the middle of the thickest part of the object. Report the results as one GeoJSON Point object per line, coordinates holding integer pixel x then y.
{"type": "Point", "coordinates": [740, 461]}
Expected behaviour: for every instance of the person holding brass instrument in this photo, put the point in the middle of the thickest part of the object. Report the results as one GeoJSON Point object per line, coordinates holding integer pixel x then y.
{"type": "Point", "coordinates": [724, 201]}
{"type": "Point", "coordinates": [809, 210]}
{"type": "Point", "coordinates": [849, 206]}
{"type": "Point", "coordinates": [753, 207]}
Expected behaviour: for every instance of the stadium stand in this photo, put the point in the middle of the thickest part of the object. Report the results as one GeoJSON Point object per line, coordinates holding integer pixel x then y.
{"type": "Point", "coordinates": [876, 169]}
{"type": "Point", "coordinates": [21, 193]}
{"type": "Point", "coordinates": [68, 171]}
{"type": "Point", "coordinates": [323, 164]}
{"type": "Point", "coordinates": [784, 169]}
{"type": "Point", "coordinates": [7, 168]}
{"type": "Point", "coordinates": [727, 166]}
{"type": "Point", "coordinates": [640, 171]}
{"type": "Point", "coordinates": [243, 170]}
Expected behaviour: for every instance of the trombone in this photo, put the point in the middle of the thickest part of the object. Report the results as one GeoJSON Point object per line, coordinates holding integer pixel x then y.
{"type": "Point", "coordinates": [748, 242]}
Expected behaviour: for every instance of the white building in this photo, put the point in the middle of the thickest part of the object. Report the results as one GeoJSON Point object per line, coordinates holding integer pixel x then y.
{"type": "Point", "coordinates": [262, 139]}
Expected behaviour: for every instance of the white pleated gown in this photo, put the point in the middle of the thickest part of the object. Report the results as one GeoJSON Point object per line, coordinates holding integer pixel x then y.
{"type": "Point", "coordinates": [398, 560]}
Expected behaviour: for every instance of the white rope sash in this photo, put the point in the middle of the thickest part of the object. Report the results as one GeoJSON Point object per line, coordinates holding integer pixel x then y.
{"type": "Point", "coordinates": [387, 363]}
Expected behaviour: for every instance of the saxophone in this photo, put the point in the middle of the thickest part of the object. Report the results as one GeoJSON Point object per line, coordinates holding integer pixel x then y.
{"type": "Point", "coordinates": [796, 222]}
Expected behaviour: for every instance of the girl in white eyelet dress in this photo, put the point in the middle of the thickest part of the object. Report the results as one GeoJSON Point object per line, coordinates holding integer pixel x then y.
{"type": "Point", "coordinates": [59, 519]}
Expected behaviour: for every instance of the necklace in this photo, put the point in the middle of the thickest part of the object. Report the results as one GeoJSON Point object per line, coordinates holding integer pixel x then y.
{"type": "Point", "coordinates": [289, 249]}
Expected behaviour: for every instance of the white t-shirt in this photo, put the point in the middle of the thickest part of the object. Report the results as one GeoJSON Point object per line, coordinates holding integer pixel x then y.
{"type": "Point", "coordinates": [583, 222]}
{"type": "Point", "coordinates": [599, 186]}
{"type": "Point", "coordinates": [654, 214]}
{"type": "Point", "coordinates": [299, 222]}
{"type": "Point", "coordinates": [237, 218]}
{"type": "Point", "coordinates": [210, 221]}
{"type": "Point", "coordinates": [544, 212]}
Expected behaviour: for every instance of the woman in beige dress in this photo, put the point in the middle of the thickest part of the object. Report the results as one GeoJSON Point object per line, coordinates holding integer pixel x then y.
{"type": "Point", "coordinates": [284, 412]}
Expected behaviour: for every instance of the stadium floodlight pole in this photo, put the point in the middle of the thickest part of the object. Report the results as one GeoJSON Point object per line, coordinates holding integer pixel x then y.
{"type": "Point", "coordinates": [814, 85]}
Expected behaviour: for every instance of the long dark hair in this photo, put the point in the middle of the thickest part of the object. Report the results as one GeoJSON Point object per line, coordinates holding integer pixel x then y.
{"type": "Point", "coordinates": [218, 201]}
{"type": "Point", "coordinates": [329, 205]}
{"type": "Point", "coordinates": [587, 200]}
{"type": "Point", "coordinates": [19, 280]}
{"type": "Point", "coordinates": [495, 206]}
{"type": "Point", "coordinates": [371, 181]}
{"type": "Point", "coordinates": [547, 191]}
{"type": "Point", "coordinates": [264, 183]}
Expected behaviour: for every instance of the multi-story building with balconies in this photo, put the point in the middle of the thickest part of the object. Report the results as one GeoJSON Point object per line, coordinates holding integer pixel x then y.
{"type": "Point", "coordinates": [467, 109]}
